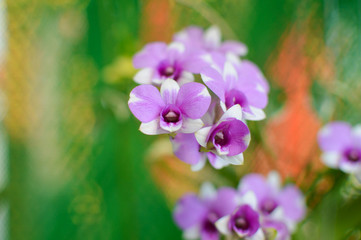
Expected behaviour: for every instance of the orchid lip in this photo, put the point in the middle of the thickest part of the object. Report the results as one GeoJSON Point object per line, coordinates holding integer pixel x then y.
{"type": "Point", "coordinates": [245, 221]}
{"type": "Point", "coordinates": [241, 223]}
{"type": "Point", "coordinates": [208, 224]}
{"type": "Point", "coordinates": [353, 155]}
{"type": "Point", "coordinates": [268, 206]}
{"type": "Point", "coordinates": [169, 70]}
{"type": "Point", "coordinates": [171, 114]}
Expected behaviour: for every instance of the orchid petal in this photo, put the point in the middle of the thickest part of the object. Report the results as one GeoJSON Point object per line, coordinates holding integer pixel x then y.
{"type": "Point", "coordinates": [222, 225]}
{"type": "Point", "coordinates": [234, 112]}
{"type": "Point", "coordinates": [144, 76]}
{"type": "Point", "coordinates": [212, 37]}
{"type": "Point", "coordinates": [202, 136]}
{"type": "Point", "coordinates": [335, 136]}
{"type": "Point", "coordinates": [191, 125]}
{"type": "Point", "coordinates": [151, 128]}
{"type": "Point", "coordinates": [193, 99]}
{"type": "Point", "coordinates": [145, 102]}
{"type": "Point", "coordinates": [213, 79]}
{"type": "Point", "coordinates": [150, 55]}
{"type": "Point", "coordinates": [169, 91]}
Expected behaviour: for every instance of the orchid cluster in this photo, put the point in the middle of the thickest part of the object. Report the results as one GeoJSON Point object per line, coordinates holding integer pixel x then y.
{"type": "Point", "coordinates": [202, 124]}
{"type": "Point", "coordinates": [258, 209]}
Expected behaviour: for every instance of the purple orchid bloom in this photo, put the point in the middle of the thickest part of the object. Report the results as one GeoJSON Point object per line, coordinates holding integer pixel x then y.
{"type": "Point", "coordinates": [228, 138]}
{"type": "Point", "coordinates": [239, 83]}
{"type": "Point", "coordinates": [285, 205]}
{"type": "Point", "coordinates": [196, 215]}
{"type": "Point", "coordinates": [173, 109]}
{"type": "Point", "coordinates": [244, 221]}
{"type": "Point", "coordinates": [341, 146]}
{"type": "Point", "coordinates": [159, 62]}
{"type": "Point", "coordinates": [209, 40]}
{"type": "Point", "coordinates": [187, 149]}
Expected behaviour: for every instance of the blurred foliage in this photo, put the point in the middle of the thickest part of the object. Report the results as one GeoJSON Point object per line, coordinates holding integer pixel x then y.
{"type": "Point", "coordinates": [79, 167]}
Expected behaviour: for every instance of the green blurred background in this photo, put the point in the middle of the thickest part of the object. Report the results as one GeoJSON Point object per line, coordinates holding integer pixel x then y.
{"type": "Point", "coordinates": [73, 163]}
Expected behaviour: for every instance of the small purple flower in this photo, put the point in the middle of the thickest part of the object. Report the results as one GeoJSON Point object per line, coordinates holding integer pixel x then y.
{"type": "Point", "coordinates": [196, 215]}
{"type": "Point", "coordinates": [243, 222]}
{"type": "Point", "coordinates": [209, 40]}
{"type": "Point", "coordinates": [173, 109]}
{"type": "Point", "coordinates": [341, 146]}
{"type": "Point", "coordinates": [285, 205]}
{"type": "Point", "coordinates": [159, 62]}
{"type": "Point", "coordinates": [239, 83]}
{"type": "Point", "coordinates": [228, 138]}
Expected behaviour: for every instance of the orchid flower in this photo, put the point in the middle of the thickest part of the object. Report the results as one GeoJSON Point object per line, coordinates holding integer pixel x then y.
{"type": "Point", "coordinates": [245, 87]}
{"type": "Point", "coordinates": [341, 146]}
{"type": "Point", "coordinates": [244, 221]}
{"type": "Point", "coordinates": [159, 62]}
{"type": "Point", "coordinates": [173, 109]}
{"type": "Point", "coordinates": [228, 138]}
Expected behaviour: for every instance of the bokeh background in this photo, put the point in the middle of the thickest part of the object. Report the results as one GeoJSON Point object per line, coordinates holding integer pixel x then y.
{"type": "Point", "coordinates": [73, 164]}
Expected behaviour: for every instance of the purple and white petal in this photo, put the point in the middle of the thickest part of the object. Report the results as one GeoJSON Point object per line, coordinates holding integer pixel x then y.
{"type": "Point", "coordinates": [144, 76]}
{"type": "Point", "coordinates": [234, 160]}
{"type": "Point", "coordinates": [202, 136]}
{"type": "Point", "coordinates": [169, 91]}
{"type": "Point", "coordinates": [255, 114]}
{"type": "Point", "coordinates": [356, 135]}
{"type": "Point", "coordinates": [234, 47]}
{"type": "Point", "coordinates": [207, 191]}
{"type": "Point", "coordinates": [249, 73]}
{"type": "Point", "coordinates": [212, 37]}
{"type": "Point", "coordinates": [335, 136]}
{"type": "Point", "coordinates": [250, 199]}
{"type": "Point", "coordinates": [292, 202]}
{"type": "Point", "coordinates": [151, 54]}
{"type": "Point", "coordinates": [193, 100]}
{"type": "Point", "coordinates": [255, 97]}
{"type": "Point", "coordinates": [234, 112]}
{"type": "Point", "coordinates": [145, 102]}
{"type": "Point", "coordinates": [213, 79]}
{"type": "Point", "coordinates": [152, 128]}
{"type": "Point", "coordinates": [198, 166]}
{"type": "Point", "coordinates": [222, 225]}
{"type": "Point", "coordinates": [186, 77]}
{"type": "Point", "coordinates": [175, 51]}
{"type": "Point", "coordinates": [259, 235]}
{"type": "Point", "coordinates": [192, 232]}
{"type": "Point", "coordinates": [225, 201]}
{"type": "Point", "coordinates": [191, 125]}
{"type": "Point", "coordinates": [257, 184]}
{"type": "Point", "coordinates": [186, 148]}
{"type": "Point", "coordinates": [230, 75]}
{"type": "Point", "coordinates": [189, 211]}
{"type": "Point", "coordinates": [216, 161]}
{"type": "Point", "coordinates": [349, 167]}
{"type": "Point", "coordinates": [331, 159]}
{"type": "Point", "coordinates": [274, 180]}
